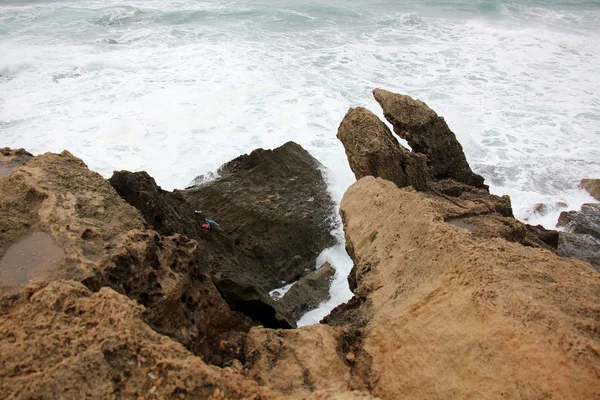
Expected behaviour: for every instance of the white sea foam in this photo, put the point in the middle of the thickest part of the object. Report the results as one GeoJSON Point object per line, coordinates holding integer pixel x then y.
{"type": "Point", "coordinates": [192, 84]}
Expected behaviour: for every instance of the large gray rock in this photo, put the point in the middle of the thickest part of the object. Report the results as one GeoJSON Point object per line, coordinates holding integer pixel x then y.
{"type": "Point", "coordinates": [232, 271]}
{"type": "Point", "coordinates": [428, 134]}
{"type": "Point", "coordinates": [373, 150]}
{"type": "Point", "coordinates": [308, 292]}
{"type": "Point", "coordinates": [275, 206]}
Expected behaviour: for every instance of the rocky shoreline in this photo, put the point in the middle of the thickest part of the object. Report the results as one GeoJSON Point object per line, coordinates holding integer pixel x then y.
{"type": "Point", "coordinates": [118, 289]}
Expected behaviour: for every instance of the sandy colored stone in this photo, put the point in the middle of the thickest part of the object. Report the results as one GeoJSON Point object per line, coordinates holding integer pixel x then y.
{"type": "Point", "coordinates": [373, 150]}
{"type": "Point", "coordinates": [456, 316]}
{"type": "Point", "coordinates": [592, 186]}
{"type": "Point", "coordinates": [66, 342]}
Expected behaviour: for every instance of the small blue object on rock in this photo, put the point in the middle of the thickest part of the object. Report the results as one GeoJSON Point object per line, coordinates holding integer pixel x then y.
{"type": "Point", "coordinates": [210, 221]}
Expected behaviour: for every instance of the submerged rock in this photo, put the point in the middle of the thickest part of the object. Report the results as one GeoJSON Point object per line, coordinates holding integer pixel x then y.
{"type": "Point", "coordinates": [275, 206]}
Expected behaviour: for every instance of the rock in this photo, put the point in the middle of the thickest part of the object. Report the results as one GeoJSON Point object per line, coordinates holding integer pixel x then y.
{"type": "Point", "coordinates": [66, 341]}
{"type": "Point", "coordinates": [166, 212]}
{"type": "Point", "coordinates": [580, 246]}
{"type": "Point", "coordinates": [581, 238]}
{"type": "Point", "coordinates": [548, 236]}
{"type": "Point", "coordinates": [308, 292]}
{"type": "Point", "coordinates": [586, 221]}
{"type": "Point", "coordinates": [10, 159]}
{"type": "Point", "coordinates": [94, 237]}
{"type": "Point", "coordinates": [435, 290]}
{"type": "Point", "coordinates": [289, 362]}
{"type": "Point", "coordinates": [373, 150]}
{"type": "Point", "coordinates": [543, 209]}
{"type": "Point", "coordinates": [428, 134]}
{"type": "Point", "coordinates": [275, 206]}
{"type": "Point", "coordinates": [592, 186]}
{"type": "Point", "coordinates": [236, 274]}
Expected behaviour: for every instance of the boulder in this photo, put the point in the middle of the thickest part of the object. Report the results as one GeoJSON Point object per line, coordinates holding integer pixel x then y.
{"type": "Point", "coordinates": [586, 221]}
{"type": "Point", "coordinates": [238, 276]}
{"type": "Point", "coordinates": [298, 362]}
{"type": "Point", "coordinates": [275, 206]}
{"type": "Point", "coordinates": [373, 150]}
{"type": "Point", "coordinates": [580, 246]}
{"type": "Point", "coordinates": [308, 293]}
{"type": "Point", "coordinates": [428, 134]}
{"type": "Point", "coordinates": [230, 269]}
{"type": "Point", "coordinates": [592, 186]}
{"type": "Point", "coordinates": [61, 221]}
{"type": "Point", "coordinates": [434, 294]}
{"type": "Point", "coordinates": [581, 236]}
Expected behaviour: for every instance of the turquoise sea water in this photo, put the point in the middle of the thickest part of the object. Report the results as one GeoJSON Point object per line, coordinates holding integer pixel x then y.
{"type": "Point", "coordinates": [179, 87]}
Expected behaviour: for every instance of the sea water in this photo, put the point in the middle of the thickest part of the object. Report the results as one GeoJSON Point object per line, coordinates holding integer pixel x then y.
{"type": "Point", "coordinates": [177, 88]}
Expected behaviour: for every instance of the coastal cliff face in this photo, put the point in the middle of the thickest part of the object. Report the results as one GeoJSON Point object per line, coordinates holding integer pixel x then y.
{"type": "Point", "coordinates": [114, 289]}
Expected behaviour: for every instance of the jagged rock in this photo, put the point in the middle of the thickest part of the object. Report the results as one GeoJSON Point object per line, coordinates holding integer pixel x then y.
{"type": "Point", "coordinates": [289, 362]}
{"type": "Point", "coordinates": [10, 159]}
{"type": "Point", "coordinates": [308, 292]}
{"type": "Point", "coordinates": [275, 206]}
{"type": "Point", "coordinates": [238, 276]}
{"type": "Point", "coordinates": [544, 209]}
{"type": "Point", "coordinates": [428, 134]}
{"type": "Point", "coordinates": [592, 186]}
{"type": "Point", "coordinates": [63, 341]}
{"type": "Point", "coordinates": [103, 242]}
{"type": "Point", "coordinates": [586, 221]}
{"type": "Point", "coordinates": [373, 150]}
{"type": "Point", "coordinates": [582, 237]}
{"type": "Point", "coordinates": [580, 246]}
{"type": "Point", "coordinates": [434, 290]}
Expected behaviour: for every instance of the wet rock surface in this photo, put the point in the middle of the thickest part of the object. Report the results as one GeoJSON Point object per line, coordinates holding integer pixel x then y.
{"type": "Point", "coordinates": [581, 238]}
{"type": "Point", "coordinates": [243, 277]}
{"type": "Point", "coordinates": [28, 260]}
{"type": "Point", "coordinates": [232, 271]}
{"type": "Point", "coordinates": [275, 206]}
